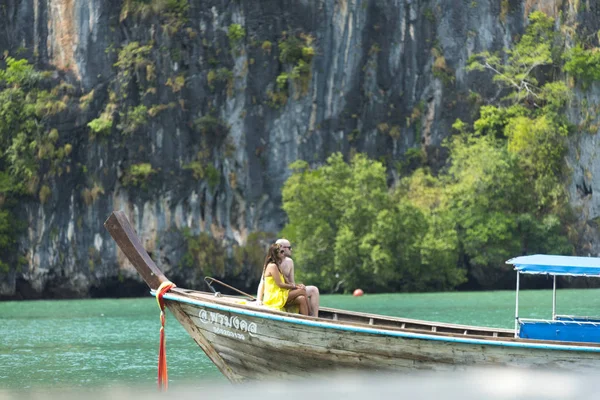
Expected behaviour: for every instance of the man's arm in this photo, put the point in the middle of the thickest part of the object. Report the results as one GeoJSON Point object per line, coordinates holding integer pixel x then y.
{"type": "Point", "coordinates": [287, 267]}
{"type": "Point", "coordinates": [288, 272]}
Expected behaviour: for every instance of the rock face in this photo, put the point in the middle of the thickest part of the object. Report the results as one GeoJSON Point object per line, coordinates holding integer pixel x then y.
{"type": "Point", "coordinates": [386, 76]}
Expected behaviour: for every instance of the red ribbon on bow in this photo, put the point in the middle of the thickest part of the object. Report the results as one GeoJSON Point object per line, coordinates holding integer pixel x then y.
{"type": "Point", "coordinates": [163, 377]}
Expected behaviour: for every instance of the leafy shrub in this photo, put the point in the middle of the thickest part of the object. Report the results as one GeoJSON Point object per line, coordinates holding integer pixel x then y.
{"type": "Point", "coordinates": [138, 175]}
{"type": "Point", "coordinates": [583, 64]}
{"type": "Point", "coordinates": [204, 253]}
{"type": "Point", "coordinates": [133, 119]}
{"type": "Point", "coordinates": [101, 125]}
{"type": "Point", "coordinates": [45, 193]}
{"type": "Point", "coordinates": [267, 46]}
{"type": "Point", "coordinates": [235, 33]}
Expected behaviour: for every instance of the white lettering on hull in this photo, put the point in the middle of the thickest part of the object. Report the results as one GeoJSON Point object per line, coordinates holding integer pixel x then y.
{"type": "Point", "coordinates": [220, 331]}
{"type": "Point", "coordinates": [221, 321]}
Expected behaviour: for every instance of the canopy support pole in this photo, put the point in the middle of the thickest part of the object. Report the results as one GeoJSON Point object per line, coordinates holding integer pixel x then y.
{"type": "Point", "coordinates": [517, 308]}
{"type": "Point", "coordinates": [554, 299]}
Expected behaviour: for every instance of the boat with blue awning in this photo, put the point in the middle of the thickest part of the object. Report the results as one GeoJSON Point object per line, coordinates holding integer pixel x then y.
{"type": "Point", "coordinates": [564, 328]}
{"type": "Point", "coordinates": [246, 341]}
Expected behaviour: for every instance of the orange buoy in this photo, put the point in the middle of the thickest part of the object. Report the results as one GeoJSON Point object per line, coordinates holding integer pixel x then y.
{"type": "Point", "coordinates": [357, 293]}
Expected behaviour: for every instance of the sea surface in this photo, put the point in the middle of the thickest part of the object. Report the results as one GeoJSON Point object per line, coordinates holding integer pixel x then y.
{"type": "Point", "coordinates": [114, 342]}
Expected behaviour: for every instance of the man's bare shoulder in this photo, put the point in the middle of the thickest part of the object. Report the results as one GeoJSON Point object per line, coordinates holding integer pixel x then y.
{"type": "Point", "coordinates": [287, 263]}
{"type": "Point", "coordinates": [287, 266]}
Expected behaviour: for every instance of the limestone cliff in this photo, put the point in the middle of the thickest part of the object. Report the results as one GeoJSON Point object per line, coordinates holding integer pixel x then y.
{"type": "Point", "coordinates": [221, 129]}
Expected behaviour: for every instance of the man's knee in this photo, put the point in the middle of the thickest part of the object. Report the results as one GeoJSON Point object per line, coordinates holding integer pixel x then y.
{"type": "Point", "coordinates": [312, 291]}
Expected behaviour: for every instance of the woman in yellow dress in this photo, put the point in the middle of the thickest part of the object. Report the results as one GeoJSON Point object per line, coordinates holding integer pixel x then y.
{"type": "Point", "coordinates": [278, 293]}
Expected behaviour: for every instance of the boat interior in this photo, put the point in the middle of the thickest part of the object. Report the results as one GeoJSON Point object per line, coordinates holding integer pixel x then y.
{"type": "Point", "coordinates": [359, 318]}
{"type": "Point", "coordinates": [539, 331]}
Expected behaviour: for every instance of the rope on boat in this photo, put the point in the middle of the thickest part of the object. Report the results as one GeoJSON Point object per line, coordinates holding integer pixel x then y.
{"type": "Point", "coordinates": [163, 377]}
{"type": "Point", "coordinates": [225, 285]}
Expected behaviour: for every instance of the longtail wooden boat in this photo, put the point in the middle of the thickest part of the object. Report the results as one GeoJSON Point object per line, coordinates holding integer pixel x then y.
{"type": "Point", "coordinates": [246, 341]}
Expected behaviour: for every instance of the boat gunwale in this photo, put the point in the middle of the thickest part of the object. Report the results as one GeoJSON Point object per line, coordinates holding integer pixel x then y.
{"type": "Point", "coordinates": [209, 296]}
{"type": "Point", "coordinates": [217, 303]}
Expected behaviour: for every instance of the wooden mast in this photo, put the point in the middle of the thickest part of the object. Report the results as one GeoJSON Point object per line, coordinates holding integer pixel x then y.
{"type": "Point", "coordinates": [120, 229]}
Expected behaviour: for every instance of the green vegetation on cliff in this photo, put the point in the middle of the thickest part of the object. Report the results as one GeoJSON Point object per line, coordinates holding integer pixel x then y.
{"type": "Point", "coordinates": [31, 151]}
{"type": "Point", "coordinates": [205, 255]}
{"type": "Point", "coordinates": [501, 194]}
{"type": "Point", "coordinates": [296, 54]}
{"type": "Point", "coordinates": [168, 88]}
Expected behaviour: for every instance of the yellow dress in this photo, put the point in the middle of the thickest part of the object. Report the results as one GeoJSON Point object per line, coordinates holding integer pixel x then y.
{"type": "Point", "coordinates": [274, 296]}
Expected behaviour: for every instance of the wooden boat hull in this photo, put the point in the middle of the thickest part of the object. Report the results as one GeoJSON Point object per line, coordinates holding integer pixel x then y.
{"type": "Point", "coordinates": [247, 344]}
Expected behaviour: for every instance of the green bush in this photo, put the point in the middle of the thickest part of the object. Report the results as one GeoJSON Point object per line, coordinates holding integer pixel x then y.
{"type": "Point", "coordinates": [584, 65]}
{"type": "Point", "coordinates": [282, 81]}
{"type": "Point", "coordinates": [45, 193]}
{"type": "Point", "coordinates": [101, 125]}
{"type": "Point", "coordinates": [235, 33]}
{"type": "Point", "coordinates": [299, 52]}
{"type": "Point", "coordinates": [204, 254]}
{"type": "Point", "coordinates": [138, 175]}
{"type": "Point", "coordinates": [133, 56]}
{"type": "Point", "coordinates": [211, 126]}
{"type": "Point", "coordinates": [204, 170]}
{"type": "Point", "coordinates": [133, 119]}
{"type": "Point", "coordinates": [267, 46]}
{"type": "Point", "coordinates": [27, 142]}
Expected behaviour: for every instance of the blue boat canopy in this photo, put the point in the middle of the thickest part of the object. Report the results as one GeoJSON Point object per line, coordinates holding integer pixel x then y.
{"type": "Point", "coordinates": [557, 265]}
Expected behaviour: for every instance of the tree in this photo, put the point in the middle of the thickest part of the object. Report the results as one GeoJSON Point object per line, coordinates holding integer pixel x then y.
{"type": "Point", "coordinates": [506, 179]}
{"type": "Point", "coordinates": [480, 211]}
{"type": "Point", "coordinates": [485, 191]}
{"type": "Point", "coordinates": [314, 211]}
{"type": "Point", "coordinates": [330, 210]}
{"type": "Point", "coordinates": [517, 70]}
{"type": "Point", "coordinates": [350, 230]}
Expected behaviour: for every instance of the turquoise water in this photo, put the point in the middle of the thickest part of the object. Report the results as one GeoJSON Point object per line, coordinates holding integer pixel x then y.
{"type": "Point", "coordinates": [114, 342]}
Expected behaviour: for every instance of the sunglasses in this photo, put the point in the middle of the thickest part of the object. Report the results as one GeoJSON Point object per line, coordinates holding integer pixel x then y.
{"type": "Point", "coordinates": [287, 247]}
